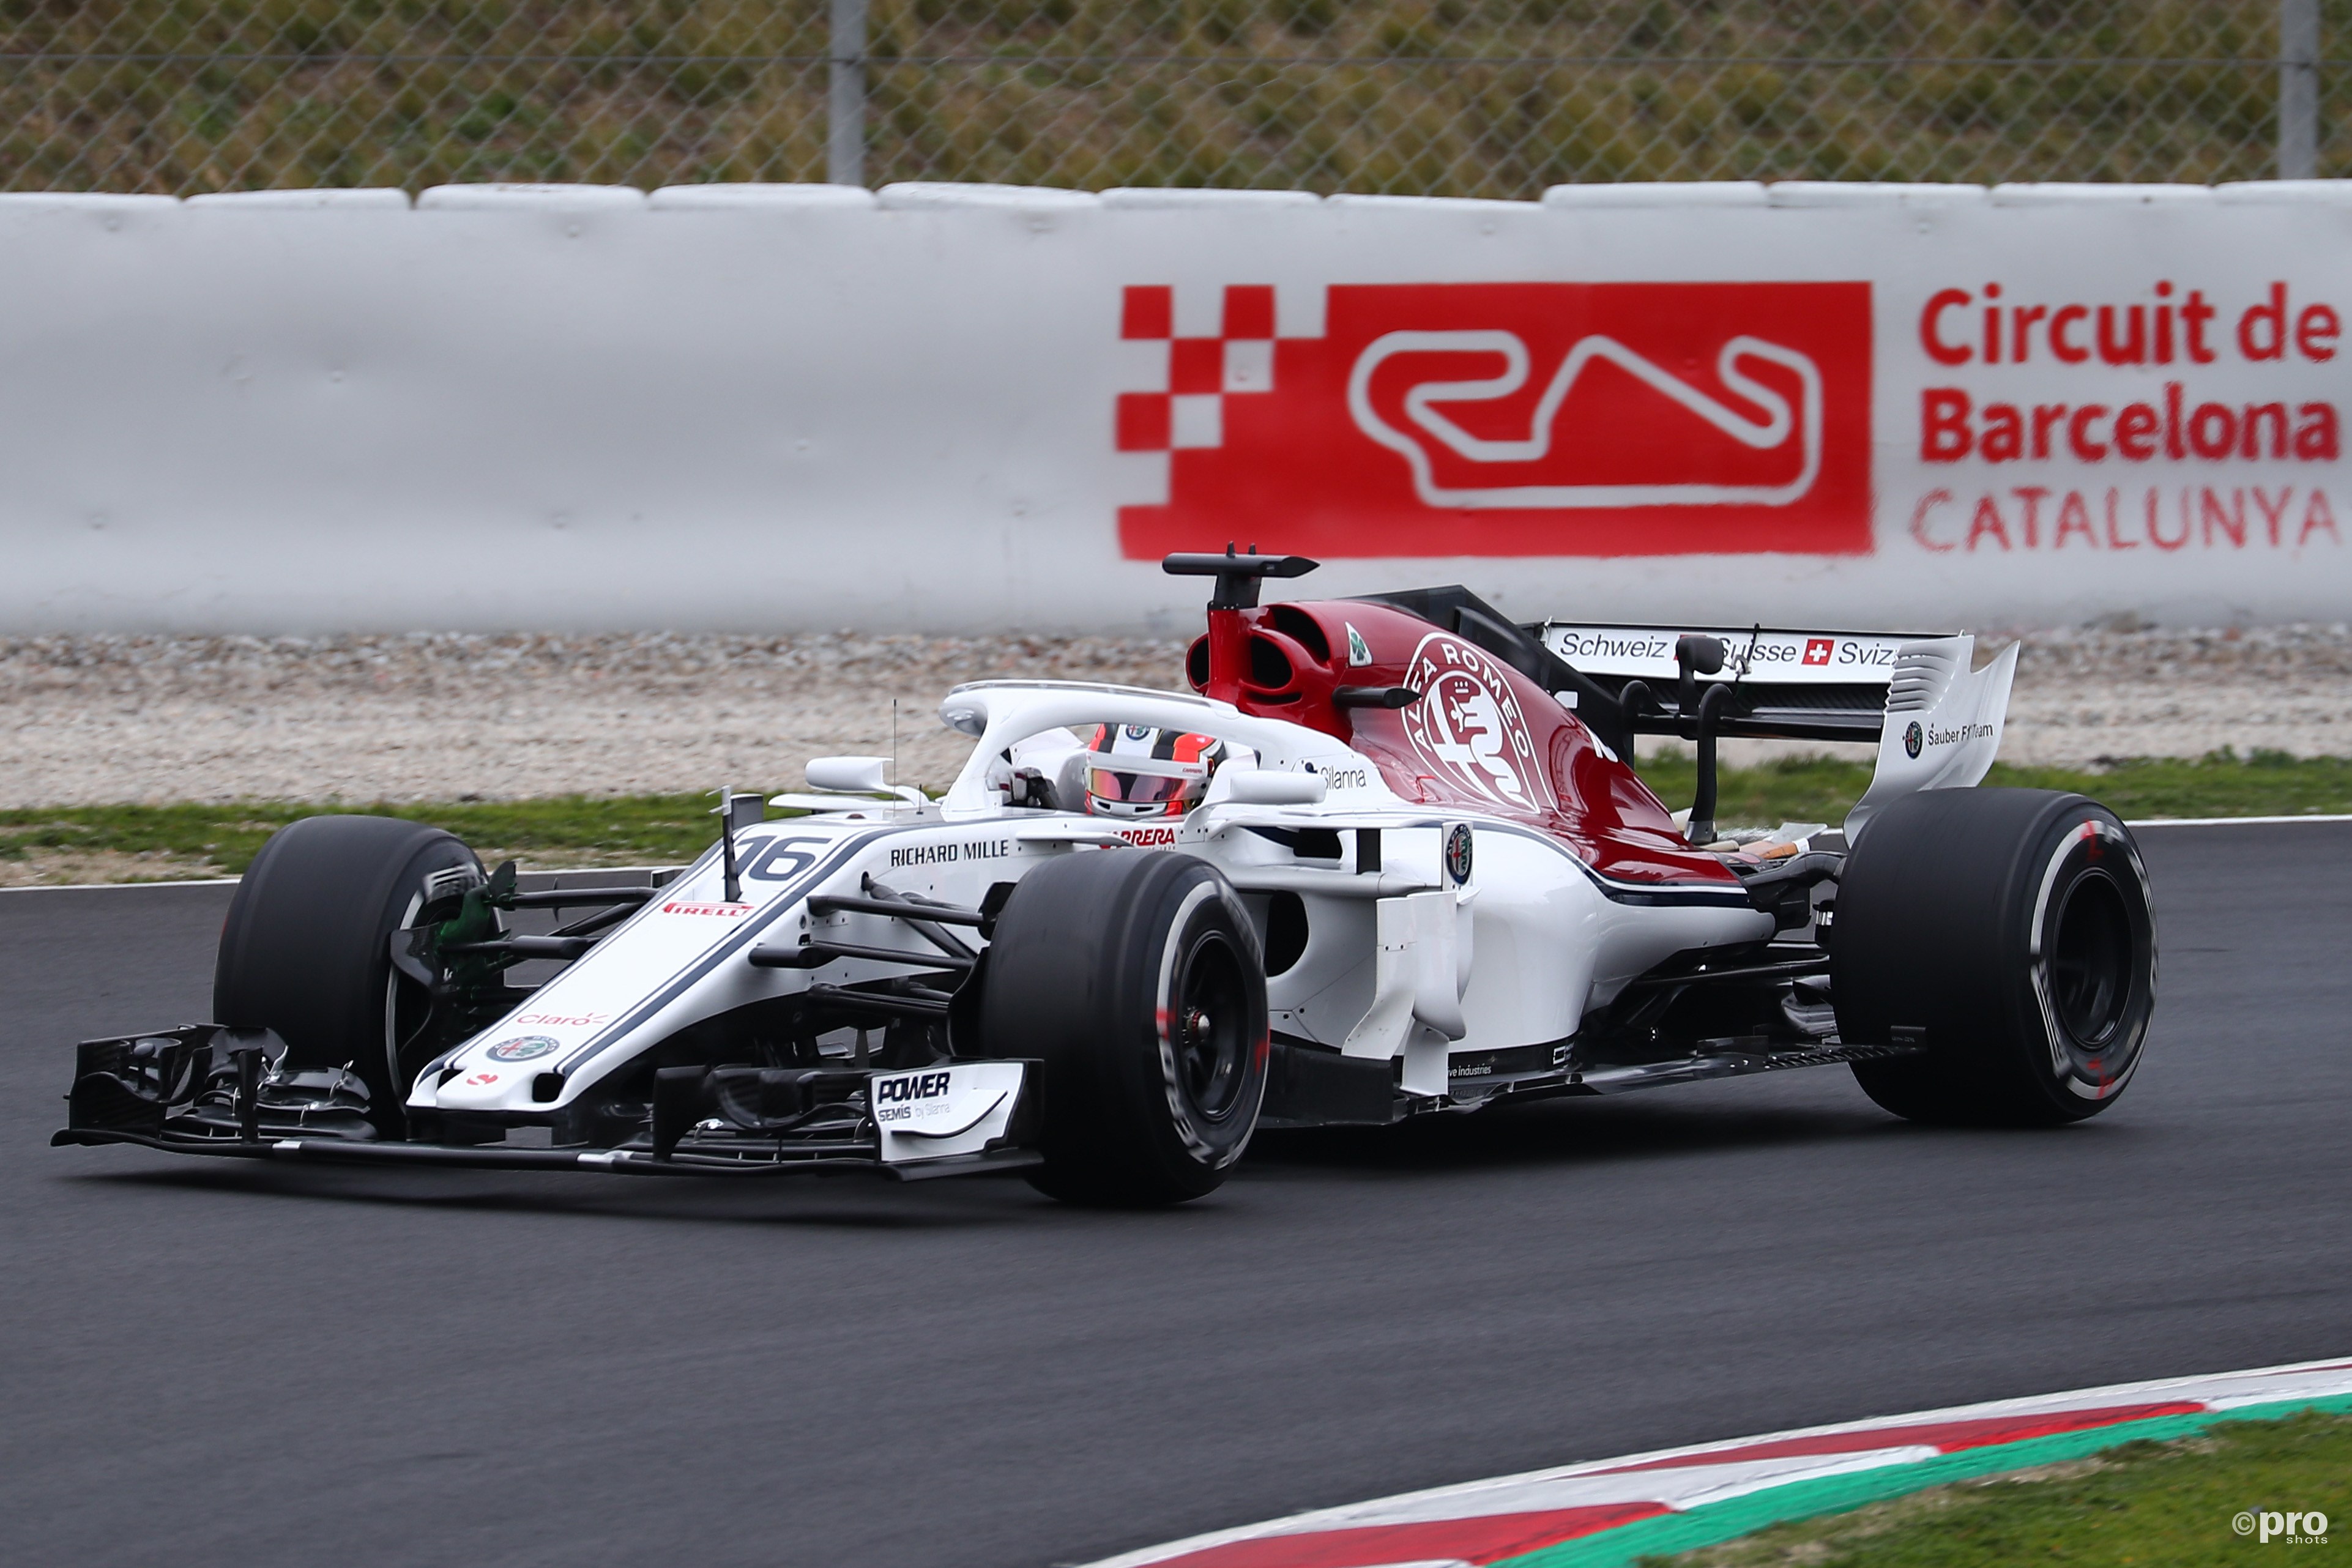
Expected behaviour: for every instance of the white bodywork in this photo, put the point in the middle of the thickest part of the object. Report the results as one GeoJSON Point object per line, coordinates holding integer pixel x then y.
{"type": "Point", "coordinates": [1400, 961]}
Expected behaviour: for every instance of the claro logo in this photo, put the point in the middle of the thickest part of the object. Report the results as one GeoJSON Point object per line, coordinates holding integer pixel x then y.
{"type": "Point", "coordinates": [1509, 419]}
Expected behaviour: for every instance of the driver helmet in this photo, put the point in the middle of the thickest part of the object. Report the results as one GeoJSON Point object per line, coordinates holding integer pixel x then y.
{"type": "Point", "coordinates": [1135, 771]}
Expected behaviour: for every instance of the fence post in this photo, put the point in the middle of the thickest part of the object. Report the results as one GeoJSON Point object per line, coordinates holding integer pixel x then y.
{"type": "Point", "coordinates": [844, 151]}
{"type": "Point", "coordinates": [2298, 126]}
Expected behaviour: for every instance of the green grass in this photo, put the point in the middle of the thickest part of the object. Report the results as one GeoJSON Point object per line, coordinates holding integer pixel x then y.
{"type": "Point", "coordinates": [569, 829]}
{"type": "Point", "coordinates": [669, 829]}
{"type": "Point", "coordinates": [2141, 1504]}
{"type": "Point", "coordinates": [2223, 784]}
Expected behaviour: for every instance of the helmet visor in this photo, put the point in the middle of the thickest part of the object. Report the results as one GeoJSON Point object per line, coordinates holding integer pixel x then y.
{"type": "Point", "coordinates": [1138, 789]}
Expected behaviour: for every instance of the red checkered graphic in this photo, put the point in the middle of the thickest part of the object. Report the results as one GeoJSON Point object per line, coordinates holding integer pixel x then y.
{"type": "Point", "coordinates": [1202, 372]}
{"type": "Point", "coordinates": [1505, 419]}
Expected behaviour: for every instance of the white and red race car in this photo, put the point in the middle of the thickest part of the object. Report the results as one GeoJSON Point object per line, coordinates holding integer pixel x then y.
{"type": "Point", "coordinates": [1387, 858]}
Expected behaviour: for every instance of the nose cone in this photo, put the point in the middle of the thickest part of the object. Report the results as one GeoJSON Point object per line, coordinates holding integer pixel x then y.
{"type": "Point", "coordinates": [488, 1088]}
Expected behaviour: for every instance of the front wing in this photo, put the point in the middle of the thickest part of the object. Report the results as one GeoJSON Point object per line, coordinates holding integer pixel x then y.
{"type": "Point", "coordinates": [201, 1089]}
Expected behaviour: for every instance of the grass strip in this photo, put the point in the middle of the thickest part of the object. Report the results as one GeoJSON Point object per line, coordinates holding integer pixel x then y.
{"type": "Point", "coordinates": [668, 830]}
{"type": "Point", "coordinates": [221, 840]}
{"type": "Point", "coordinates": [2220, 784]}
{"type": "Point", "coordinates": [2160, 1491]}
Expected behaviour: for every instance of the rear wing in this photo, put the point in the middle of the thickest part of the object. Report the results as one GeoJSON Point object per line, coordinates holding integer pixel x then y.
{"type": "Point", "coordinates": [1785, 684]}
{"type": "Point", "coordinates": [1936, 720]}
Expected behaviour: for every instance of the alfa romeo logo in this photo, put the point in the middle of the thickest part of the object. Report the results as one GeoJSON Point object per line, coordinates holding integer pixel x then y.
{"type": "Point", "coordinates": [1468, 727]}
{"type": "Point", "coordinates": [1911, 739]}
{"type": "Point", "coordinates": [523, 1048]}
{"type": "Point", "coordinates": [1457, 853]}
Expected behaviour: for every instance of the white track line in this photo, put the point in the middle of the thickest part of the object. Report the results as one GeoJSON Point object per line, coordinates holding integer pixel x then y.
{"type": "Point", "coordinates": [2231, 821]}
{"type": "Point", "coordinates": [233, 881]}
{"type": "Point", "coordinates": [584, 870]}
{"type": "Point", "coordinates": [100, 887]}
{"type": "Point", "coordinates": [1679, 1479]}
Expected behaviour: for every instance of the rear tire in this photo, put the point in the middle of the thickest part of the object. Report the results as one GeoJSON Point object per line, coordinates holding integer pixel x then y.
{"type": "Point", "coordinates": [2013, 929]}
{"type": "Point", "coordinates": [1138, 978]}
{"type": "Point", "coordinates": [306, 950]}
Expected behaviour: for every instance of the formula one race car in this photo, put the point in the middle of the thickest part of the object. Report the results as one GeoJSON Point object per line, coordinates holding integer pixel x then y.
{"type": "Point", "coordinates": [1386, 859]}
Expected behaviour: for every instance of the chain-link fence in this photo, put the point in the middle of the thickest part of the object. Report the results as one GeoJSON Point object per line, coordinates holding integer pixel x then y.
{"type": "Point", "coordinates": [1497, 98]}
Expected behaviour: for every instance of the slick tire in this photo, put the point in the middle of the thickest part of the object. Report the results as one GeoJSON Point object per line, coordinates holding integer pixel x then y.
{"type": "Point", "coordinates": [306, 950]}
{"type": "Point", "coordinates": [2010, 933]}
{"type": "Point", "coordinates": [1138, 978]}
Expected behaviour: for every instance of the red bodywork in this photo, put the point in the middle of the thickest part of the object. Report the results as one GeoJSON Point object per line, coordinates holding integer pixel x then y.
{"type": "Point", "coordinates": [1481, 735]}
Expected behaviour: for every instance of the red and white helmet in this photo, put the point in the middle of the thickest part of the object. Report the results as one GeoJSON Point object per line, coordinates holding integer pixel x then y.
{"type": "Point", "coordinates": [1135, 771]}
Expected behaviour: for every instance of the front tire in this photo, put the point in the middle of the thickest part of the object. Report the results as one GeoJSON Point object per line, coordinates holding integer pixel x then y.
{"type": "Point", "coordinates": [1138, 978]}
{"type": "Point", "coordinates": [306, 950]}
{"type": "Point", "coordinates": [2013, 931]}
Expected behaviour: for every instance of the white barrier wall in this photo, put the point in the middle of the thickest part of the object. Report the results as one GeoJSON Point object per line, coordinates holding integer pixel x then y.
{"type": "Point", "coordinates": [966, 407]}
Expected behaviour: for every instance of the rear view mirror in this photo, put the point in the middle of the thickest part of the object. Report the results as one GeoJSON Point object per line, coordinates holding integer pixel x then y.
{"type": "Point", "coordinates": [1273, 787]}
{"type": "Point", "coordinates": [850, 775]}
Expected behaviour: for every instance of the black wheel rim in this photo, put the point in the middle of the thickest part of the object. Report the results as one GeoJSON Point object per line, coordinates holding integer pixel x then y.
{"type": "Point", "coordinates": [2091, 959]}
{"type": "Point", "coordinates": [1208, 1028]}
{"type": "Point", "coordinates": [407, 1015]}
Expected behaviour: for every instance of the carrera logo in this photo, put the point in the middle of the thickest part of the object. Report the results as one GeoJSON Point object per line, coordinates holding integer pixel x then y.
{"type": "Point", "coordinates": [1468, 728]}
{"type": "Point", "coordinates": [721, 909]}
{"type": "Point", "coordinates": [1511, 419]}
{"type": "Point", "coordinates": [1149, 838]}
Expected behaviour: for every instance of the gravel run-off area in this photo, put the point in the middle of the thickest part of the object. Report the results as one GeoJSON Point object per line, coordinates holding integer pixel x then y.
{"type": "Point", "coordinates": [107, 719]}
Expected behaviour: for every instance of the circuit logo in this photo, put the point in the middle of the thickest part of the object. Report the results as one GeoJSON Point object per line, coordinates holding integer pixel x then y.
{"type": "Point", "coordinates": [1511, 419]}
{"type": "Point", "coordinates": [1540, 468]}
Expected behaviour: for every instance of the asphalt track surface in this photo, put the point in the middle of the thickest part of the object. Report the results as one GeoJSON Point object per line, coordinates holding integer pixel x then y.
{"type": "Point", "coordinates": [205, 1363]}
